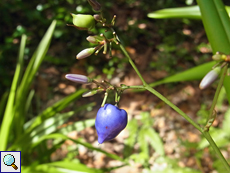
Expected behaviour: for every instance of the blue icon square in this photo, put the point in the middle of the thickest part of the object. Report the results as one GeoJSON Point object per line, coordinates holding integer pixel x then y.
{"type": "Point", "coordinates": [10, 161]}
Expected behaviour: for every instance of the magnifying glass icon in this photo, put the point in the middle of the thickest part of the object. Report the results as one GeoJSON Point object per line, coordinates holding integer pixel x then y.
{"type": "Point", "coordinates": [9, 160]}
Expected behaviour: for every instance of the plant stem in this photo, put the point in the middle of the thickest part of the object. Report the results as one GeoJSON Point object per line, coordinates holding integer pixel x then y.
{"type": "Point", "coordinates": [150, 89]}
{"type": "Point", "coordinates": [178, 110]}
{"type": "Point", "coordinates": [216, 149]}
{"type": "Point", "coordinates": [132, 64]}
{"type": "Point", "coordinates": [210, 116]}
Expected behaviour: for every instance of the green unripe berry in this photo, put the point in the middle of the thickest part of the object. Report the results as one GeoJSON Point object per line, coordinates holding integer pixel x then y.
{"type": "Point", "coordinates": [83, 21]}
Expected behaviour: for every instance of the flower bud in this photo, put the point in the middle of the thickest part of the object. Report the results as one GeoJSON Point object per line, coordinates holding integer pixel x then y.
{"type": "Point", "coordinates": [210, 77]}
{"type": "Point", "coordinates": [110, 121]}
{"type": "Point", "coordinates": [83, 21]}
{"type": "Point", "coordinates": [78, 78]}
{"type": "Point", "coordinates": [85, 53]}
{"type": "Point", "coordinates": [95, 5]}
{"type": "Point", "coordinates": [89, 93]}
{"type": "Point", "coordinates": [94, 39]}
{"type": "Point", "coordinates": [219, 57]}
{"type": "Point", "coordinates": [97, 17]}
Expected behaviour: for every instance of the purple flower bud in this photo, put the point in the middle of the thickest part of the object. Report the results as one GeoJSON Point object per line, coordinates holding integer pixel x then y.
{"type": "Point", "coordinates": [78, 78]}
{"type": "Point", "coordinates": [210, 77]}
{"type": "Point", "coordinates": [85, 53]}
{"type": "Point", "coordinates": [83, 21]}
{"type": "Point", "coordinates": [110, 121]}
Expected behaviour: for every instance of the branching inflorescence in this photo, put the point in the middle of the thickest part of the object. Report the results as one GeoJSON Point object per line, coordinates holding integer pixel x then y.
{"type": "Point", "coordinates": [110, 120]}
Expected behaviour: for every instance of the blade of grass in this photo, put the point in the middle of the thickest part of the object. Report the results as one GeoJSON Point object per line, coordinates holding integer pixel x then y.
{"type": "Point", "coordinates": [195, 73]}
{"type": "Point", "coordinates": [224, 18]}
{"type": "Point", "coordinates": [57, 107]}
{"type": "Point", "coordinates": [227, 87]}
{"type": "Point", "coordinates": [29, 101]}
{"type": "Point", "coordinates": [9, 111]}
{"type": "Point", "coordinates": [28, 77]}
{"type": "Point", "coordinates": [213, 24]}
{"type": "Point", "coordinates": [74, 166]}
{"type": "Point", "coordinates": [3, 104]}
{"type": "Point", "coordinates": [47, 127]}
{"type": "Point", "coordinates": [78, 141]}
{"type": "Point", "coordinates": [190, 12]}
{"type": "Point", "coordinates": [77, 126]}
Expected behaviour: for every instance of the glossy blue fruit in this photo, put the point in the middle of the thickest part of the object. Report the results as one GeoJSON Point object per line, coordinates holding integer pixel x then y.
{"type": "Point", "coordinates": [110, 121]}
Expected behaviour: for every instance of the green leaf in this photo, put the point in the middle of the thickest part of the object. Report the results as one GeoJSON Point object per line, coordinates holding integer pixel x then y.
{"type": "Point", "coordinates": [226, 122]}
{"type": "Point", "coordinates": [73, 166]}
{"type": "Point", "coordinates": [3, 102]}
{"type": "Point", "coordinates": [155, 141]}
{"type": "Point", "coordinates": [143, 144]}
{"type": "Point", "coordinates": [77, 126]}
{"type": "Point", "coordinates": [9, 111]}
{"type": "Point", "coordinates": [42, 168]}
{"type": "Point", "coordinates": [195, 73]}
{"type": "Point", "coordinates": [191, 12]}
{"type": "Point", "coordinates": [217, 29]}
{"type": "Point", "coordinates": [227, 87]}
{"type": "Point", "coordinates": [28, 77]}
{"type": "Point", "coordinates": [57, 107]}
{"type": "Point", "coordinates": [46, 127]}
{"type": "Point", "coordinates": [49, 126]}
{"type": "Point", "coordinates": [36, 60]}
{"type": "Point", "coordinates": [78, 141]}
{"type": "Point", "coordinates": [132, 127]}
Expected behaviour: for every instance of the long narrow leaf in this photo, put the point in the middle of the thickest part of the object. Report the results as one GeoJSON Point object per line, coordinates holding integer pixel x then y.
{"type": "Point", "coordinates": [216, 23]}
{"type": "Point", "coordinates": [36, 60]}
{"type": "Point", "coordinates": [57, 107]}
{"type": "Point", "coordinates": [224, 17]}
{"type": "Point", "coordinates": [74, 166]}
{"type": "Point", "coordinates": [29, 75]}
{"type": "Point", "coordinates": [9, 111]}
{"type": "Point", "coordinates": [45, 128]}
{"type": "Point", "coordinates": [190, 12]}
{"type": "Point", "coordinates": [87, 145]}
{"type": "Point", "coordinates": [227, 87]}
{"type": "Point", "coordinates": [3, 102]}
{"type": "Point", "coordinates": [130, 141]}
{"type": "Point", "coordinates": [77, 126]}
{"type": "Point", "coordinates": [155, 141]}
{"type": "Point", "coordinates": [195, 73]}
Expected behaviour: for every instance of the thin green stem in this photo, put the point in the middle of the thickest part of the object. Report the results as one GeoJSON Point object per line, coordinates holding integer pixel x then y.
{"type": "Point", "coordinates": [224, 71]}
{"type": "Point", "coordinates": [216, 149]}
{"type": "Point", "coordinates": [124, 87]}
{"type": "Point", "coordinates": [178, 110]}
{"type": "Point", "coordinates": [150, 89]}
{"type": "Point", "coordinates": [104, 100]}
{"type": "Point", "coordinates": [132, 64]}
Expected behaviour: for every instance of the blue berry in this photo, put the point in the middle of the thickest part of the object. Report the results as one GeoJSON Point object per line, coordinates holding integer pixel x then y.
{"type": "Point", "coordinates": [110, 121]}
